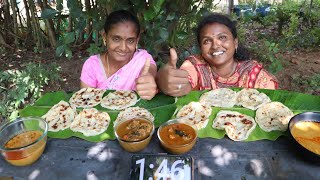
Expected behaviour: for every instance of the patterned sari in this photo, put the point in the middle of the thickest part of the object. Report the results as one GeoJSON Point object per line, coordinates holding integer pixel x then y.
{"type": "Point", "coordinates": [248, 74]}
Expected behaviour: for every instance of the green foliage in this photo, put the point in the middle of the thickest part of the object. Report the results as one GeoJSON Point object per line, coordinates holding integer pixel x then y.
{"type": "Point", "coordinates": [314, 83]}
{"type": "Point", "coordinates": [173, 26]}
{"type": "Point", "coordinates": [20, 86]}
{"type": "Point", "coordinates": [64, 45]}
{"type": "Point", "coordinates": [94, 49]}
{"type": "Point", "coordinates": [268, 53]}
{"type": "Point", "coordinates": [164, 24]}
{"type": "Point", "coordinates": [49, 13]}
{"type": "Point", "coordinates": [311, 84]}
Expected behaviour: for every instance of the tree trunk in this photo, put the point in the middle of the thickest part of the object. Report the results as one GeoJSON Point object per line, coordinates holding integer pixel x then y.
{"type": "Point", "coordinates": [36, 32]}
{"type": "Point", "coordinates": [15, 21]}
{"type": "Point", "coordinates": [3, 42]}
{"type": "Point", "coordinates": [230, 7]}
{"type": "Point", "coordinates": [8, 26]}
{"type": "Point", "coordinates": [28, 37]}
{"type": "Point", "coordinates": [49, 25]}
{"type": "Point", "coordinates": [309, 15]}
{"type": "Point", "coordinates": [19, 17]}
{"type": "Point", "coordinates": [89, 22]}
{"type": "Point", "coordinates": [70, 27]}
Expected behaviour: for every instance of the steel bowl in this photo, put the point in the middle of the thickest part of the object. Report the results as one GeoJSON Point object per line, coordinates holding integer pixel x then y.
{"type": "Point", "coordinates": [300, 149]}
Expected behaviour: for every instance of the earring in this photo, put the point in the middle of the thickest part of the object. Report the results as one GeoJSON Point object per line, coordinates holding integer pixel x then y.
{"type": "Point", "coordinates": [236, 49]}
{"type": "Point", "coordinates": [136, 47]}
{"type": "Point", "coordinates": [105, 42]}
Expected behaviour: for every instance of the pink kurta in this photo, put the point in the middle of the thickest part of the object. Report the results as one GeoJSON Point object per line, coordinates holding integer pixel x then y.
{"type": "Point", "coordinates": [93, 73]}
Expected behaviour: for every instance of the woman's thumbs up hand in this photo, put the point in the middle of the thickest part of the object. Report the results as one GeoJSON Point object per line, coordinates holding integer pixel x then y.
{"type": "Point", "coordinates": [173, 81]}
{"type": "Point", "coordinates": [146, 86]}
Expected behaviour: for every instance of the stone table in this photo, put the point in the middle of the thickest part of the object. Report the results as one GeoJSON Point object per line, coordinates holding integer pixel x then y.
{"type": "Point", "coordinates": [75, 158]}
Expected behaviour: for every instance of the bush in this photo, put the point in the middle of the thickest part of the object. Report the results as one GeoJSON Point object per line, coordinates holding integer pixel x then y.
{"type": "Point", "coordinates": [18, 87]}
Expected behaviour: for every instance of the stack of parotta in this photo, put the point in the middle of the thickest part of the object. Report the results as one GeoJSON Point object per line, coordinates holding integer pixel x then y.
{"type": "Point", "coordinates": [269, 115]}
{"type": "Point", "coordinates": [89, 121]}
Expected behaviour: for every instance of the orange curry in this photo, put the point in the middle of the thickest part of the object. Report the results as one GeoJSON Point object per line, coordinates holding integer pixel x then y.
{"type": "Point", "coordinates": [27, 155]}
{"type": "Point", "coordinates": [307, 133]}
{"type": "Point", "coordinates": [177, 134]}
{"type": "Point", "coordinates": [134, 130]}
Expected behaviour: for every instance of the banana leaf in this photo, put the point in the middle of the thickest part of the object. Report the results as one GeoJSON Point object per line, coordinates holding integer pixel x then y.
{"type": "Point", "coordinates": [161, 106]}
{"type": "Point", "coordinates": [297, 102]}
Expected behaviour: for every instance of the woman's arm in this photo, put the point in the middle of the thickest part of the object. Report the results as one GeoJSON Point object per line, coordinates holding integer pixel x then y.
{"type": "Point", "coordinates": [173, 81]}
{"type": "Point", "coordinates": [83, 85]}
{"type": "Point", "coordinates": [265, 80]}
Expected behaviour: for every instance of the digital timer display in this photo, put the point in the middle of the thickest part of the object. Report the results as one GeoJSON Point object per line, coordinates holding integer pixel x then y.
{"type": "Point", "coordinates": [161, 167]}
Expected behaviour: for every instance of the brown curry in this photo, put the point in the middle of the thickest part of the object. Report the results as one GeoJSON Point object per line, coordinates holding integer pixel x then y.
{"type": "Point", "coordinates": [177, 134]}
{"type": "Point", "coordinates": [27, 155]}
{"type": "Point", "coordinates": [134, 130]}
{"type": "Point", "coordinates": [307, 133]}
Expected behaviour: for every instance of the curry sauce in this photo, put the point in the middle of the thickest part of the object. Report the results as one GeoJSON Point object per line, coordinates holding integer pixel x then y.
{"type": "Point", "coordinates": [307, 133]}
{"type": "Point", "coordinates": [23, 139]}
{"type": "Point", "coordinates": [135, 129]}
{"type": "Point", "coordinates": [177, 134]}
{"type": "Point", "coordinates": [25, 155]}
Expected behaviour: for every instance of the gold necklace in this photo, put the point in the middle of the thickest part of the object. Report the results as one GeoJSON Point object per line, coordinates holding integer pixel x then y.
{"type": "Point", "coordinates": [107, 61]}
{"type": "Point", "coordinates": [233, 70]}
{"type": "Point", "coordinates": [227, 76]}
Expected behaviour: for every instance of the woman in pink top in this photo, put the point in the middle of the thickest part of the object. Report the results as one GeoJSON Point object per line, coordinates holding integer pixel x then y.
{"type": "Point", "coordinates": [123, 66]}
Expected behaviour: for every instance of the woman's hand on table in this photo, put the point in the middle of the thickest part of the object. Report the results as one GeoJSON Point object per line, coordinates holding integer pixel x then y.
{"type": "Point", "coordinates": [173, 81]}
{"type": "Point", "coordinates": [146, 86]}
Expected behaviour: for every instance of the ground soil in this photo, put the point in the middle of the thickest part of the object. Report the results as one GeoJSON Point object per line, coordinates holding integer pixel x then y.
{"type": "Point", "coordinates": [298, 67]}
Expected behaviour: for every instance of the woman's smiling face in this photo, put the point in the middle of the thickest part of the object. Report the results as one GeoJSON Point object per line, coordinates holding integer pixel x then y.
{"type": "Point", "coordinates": [217, 44]}
{"type": "Point", "coordinates": [121, 41]}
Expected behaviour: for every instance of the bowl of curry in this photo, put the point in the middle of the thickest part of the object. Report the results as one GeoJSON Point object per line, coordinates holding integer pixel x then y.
{"type": "Point", "coordinates": [177, 136]}
{"type": "Point", "coordinates": [23, 141]}
{"type": "Point", "coordinates": [134, 134]}
{"type": "Point", "coordinates": [305, 129]}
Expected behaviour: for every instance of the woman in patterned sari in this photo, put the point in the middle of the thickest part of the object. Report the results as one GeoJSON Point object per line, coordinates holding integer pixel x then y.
{"type": "Point", "coordinates": [219, 65]}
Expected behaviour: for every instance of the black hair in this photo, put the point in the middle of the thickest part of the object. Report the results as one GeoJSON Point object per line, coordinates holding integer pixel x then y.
{"type": "Point", "coordinates": [241, 53]}
{"type": "Point", "coordinates": [121, 16]}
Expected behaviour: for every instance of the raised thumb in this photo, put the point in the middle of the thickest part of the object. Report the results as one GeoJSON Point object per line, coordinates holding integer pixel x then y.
{"type": "Point", "coordinates": [146, 67]}
{"type": "Point", "coordinates": [173, 58]}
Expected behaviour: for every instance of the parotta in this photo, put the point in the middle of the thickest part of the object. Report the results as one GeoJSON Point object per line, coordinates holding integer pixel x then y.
{"type": "Point", "coordinates": [60, 116]}
{"type": "Point", "coordinates": [195, 113]}
{"type": "Point", "coordinates": [118, 100]}
{"type": "Point", "coordinates": [86, 97]}
{"type": "Point", "coordinates": [238, 126]}
{"type": "Point", "coordinates": [90, 122]}
{"type": "Point", "coordinates": [222, 97]}
{"type": "Point", "coordinates": [273, 116]}
{"type": "Point", "coordinates": [133, 112]}
{"type": "Point", "coordinates": [251, 98]}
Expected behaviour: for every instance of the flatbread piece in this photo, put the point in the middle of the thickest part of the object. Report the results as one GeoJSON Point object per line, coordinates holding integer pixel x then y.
{"type": "Point", "coordinates": [90, 122]}
{"type": "Point", "coordinates": [133, 112]}
{"type": "Point", "coordinates": [222, 97]}
{"type": "Point", "coordinates": [86, 97]}
{"type": "Point", "coordinates": [60, 116]}
{"type": "Point", "coordinates": [118, 100]}
{"type": "Point", "coordinates": [251, 98]}
{"type": "Point", "coordinates": [273, 116]}
{"type": "Point", "coordinates": [238, 126]}
{"type": "Point", "coordinates": [195, 113]}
